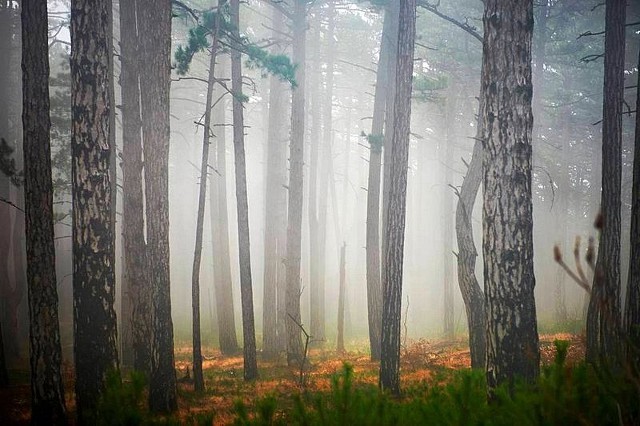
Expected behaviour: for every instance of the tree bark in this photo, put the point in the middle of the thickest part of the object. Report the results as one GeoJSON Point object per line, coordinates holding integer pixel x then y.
{"type": "Point", "coordinates": [95, 349]}
{"type": "Point", "coordinates": [632, 313]}
{"type": "Point", "coordinates": [396, 208]}
{"type": "Point", "coordinates": [604, 346]}
{"type": "Point", "coordinates": [198, 379]}
{"type": "Point", "coordinates": [47, 393]}
{"type": "Point", "coordinates": [223, 282]}
{"type": "Point", "coordinates": [4, 375]}
{"type": "Point", "coordinates": [135, 248]}
{"type": "Point", "coordinates": [246, 290]}
{"type": "Point", "coordinates": [296, 160]}
{"type": "Point", "coordinates": [512, 336]}
{"type": "Point", "coordinates": [275, 218]}
{"type": "Point", "coordinates": [155, 30]}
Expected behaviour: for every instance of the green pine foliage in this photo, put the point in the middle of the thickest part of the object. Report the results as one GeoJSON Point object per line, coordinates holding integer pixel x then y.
{"type": "Point", "coordinates": [257, 57]}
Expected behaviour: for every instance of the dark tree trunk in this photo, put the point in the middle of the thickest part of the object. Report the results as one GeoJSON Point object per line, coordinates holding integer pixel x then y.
{"type": "Point", "coordinates": [198, 379]}
{"type": "Point", "coordinates": [95, 349]}
{"type": "Point", "coordinates": [512, 336]}
{"type": "Point", "coordinates": [4, 375]}
{"type": "Point", "coordinates": [138, 282]}
{"type": "Point", "coordinates": [341, 297]}
{"type": "Point", "coordinates": [246, 290]}
{"type": "Point", "coordinates": [222, 280]}
{"type": "Point", "coordinates": [296, 192]}
{"type": "Point", "coordinates": [155, 31]}
{"type": "Point", "coordinates": [275, 218]}
{"type": "Point", "coordinates": [396, 208]}
{"type": "Point", "coordinates": [605, 298]}
{"type": "Point", "coordinates": [47, 393]}
{"type": "Point", "coordinates": [632, 313]}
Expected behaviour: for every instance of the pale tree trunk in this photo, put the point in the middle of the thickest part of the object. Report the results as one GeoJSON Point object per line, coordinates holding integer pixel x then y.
{"type": "Point", "coordinates": [138, 284]}
{"type": "Point", "coordinates": [341, 298]}
{"type": "Point", "coordinates": [95, 347]}
{"type": "Point", "coordinates": [632, 312]}
{"type": "Point", "coordinates": [512, 336]}
{"type": "Point", "coordinates": [603, 341]}
{"type": "Point", "coordinates": [246, 290]}
{"type": "Point", "coordinates": [47, 393]}
{"type": "Point", "coordinates": [198, 379]}
{"type": "Point", "coordinates": [316, 181]}
{"type": "Point", "coordinates": [396, 208]}
{"type": "Point", "coordinates": [275, 215]}
{"type": "Point", "coordinates": [155, 31]}
{"type": "Point", "coordinates": [222, 280]}
{"type": "Point", "coordinates": [447, 216]}
{"type": "Point", "coordinates": [296, 193]}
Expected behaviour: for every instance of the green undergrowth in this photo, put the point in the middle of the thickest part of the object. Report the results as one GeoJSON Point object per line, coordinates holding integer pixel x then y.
{"type": "Point", "coordinates": [563, 395]}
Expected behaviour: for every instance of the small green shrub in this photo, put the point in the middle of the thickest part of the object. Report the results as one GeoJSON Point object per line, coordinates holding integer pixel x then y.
{"type": "Point", "coordinates": [122, 401]}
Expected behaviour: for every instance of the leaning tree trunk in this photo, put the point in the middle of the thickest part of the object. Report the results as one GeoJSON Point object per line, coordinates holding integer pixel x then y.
{"type": "Point", "coordinates": [246, 290]}
{"type": "Point", "coordinates": [138, 283]}
{"type": "Point", "coordinates": [155, 30]}
{"type": "Point", "coordinates": [222, 280]}
{"type": "Point", "coordinates": [605, 303]}
{"type": "Point", "coordinates": [512, 336]}
{"type": "Point", "coordinates": [632, 313]}
{"type": "Point", "coordinates": [198, 379]}
{"type": "Point", "coordinates": [275, 216]}
{"type": "Point", "coordinates": [47, 393]}
{"type": "Point", "coordinates": [296, 193]}
{"type": "Point", "coordinates": [396, 208]}
{"type": "Point", "coordinates": [95, 350]}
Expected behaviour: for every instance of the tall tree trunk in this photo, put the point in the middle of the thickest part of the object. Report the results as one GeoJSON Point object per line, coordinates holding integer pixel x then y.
{"type": "Point", "coordinates": [223, 282]}
{"type": "Point", "coordinates": [246, 290]}
{"type": "Point", "coordinates": [93, 244]}
{"type": "Point", "coordinates": [316, 182]}
{"type": "Point", "coordinates": [47, 394]}
{"type": "Point", "coordinates": [632, 313]}
{"type": "Point", "coordinates": [392, 14]}
{"type": "Point", "coordinates": [294, 210]}
{"type": "Point", "coordinates": [275, 216]}
{"type": "Point", "coordinates": [198, 379]}
{"type": "Point", "coordinates": [4, 375]}
{"type": "Point", "coordinates": [512, 336]}
{"type": "Point", "coordinates": [605, 298]}
{"type": "Point", "coordinates": [341, 297]}
{"type": "Point", "coordinates": [155, 30]}
{"type": "Point", "coordinates": [396, 208]}
{"type": "Point", "coordinates": [447, 216]}
{"type": "Point", "coordinates": [135, 248]}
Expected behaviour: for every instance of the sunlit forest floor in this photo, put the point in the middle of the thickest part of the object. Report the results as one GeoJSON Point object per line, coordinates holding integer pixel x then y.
{"type": "Point", "coordinates": [423, 363]}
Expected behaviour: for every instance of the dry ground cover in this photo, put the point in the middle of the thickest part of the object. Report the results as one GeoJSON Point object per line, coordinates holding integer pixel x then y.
{"type": "Point", "coordinates": [424, 363]}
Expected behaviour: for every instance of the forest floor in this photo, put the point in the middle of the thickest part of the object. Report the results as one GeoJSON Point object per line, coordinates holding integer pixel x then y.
{"type": "Point", "coordinates": [423, 362]}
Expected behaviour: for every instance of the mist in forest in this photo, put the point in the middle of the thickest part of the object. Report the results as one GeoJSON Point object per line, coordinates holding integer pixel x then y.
{"type": "Point", "coordinates": [221, 71]}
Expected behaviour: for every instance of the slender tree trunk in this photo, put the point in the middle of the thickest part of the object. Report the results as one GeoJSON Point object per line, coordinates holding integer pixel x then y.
{"type": "Point", "coordinates": [605, 303]}
{"type": "Point", "coordinates": [512, 336]}
{"type": "Point", "coordinates": [155, 30]}
{"type": "Point", "coordinates": [93, 244]}
{"type": "Point", "coordinates": [275, 217]}
{"type": "Point", "coordinates": [396, 208]}
{"type": "Point", "coordinates": [135, 248]}
{"type": "Point", "coordinates": [341, 297]}
{"type": "Point", "coordinates": [632, 313]}
{"type": "Point", "coordinates": [447, 217]}
{"type": "Point", "coordinates": [198, 379]}
{"type": "Point", "coordinates": [47, 393]}
{"type": "Point", "coordinates": [246, 290]}
{"type": "Point", "coordinates": [223, 282]}
{"type": "Point", "coordinates": [296, 159]}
